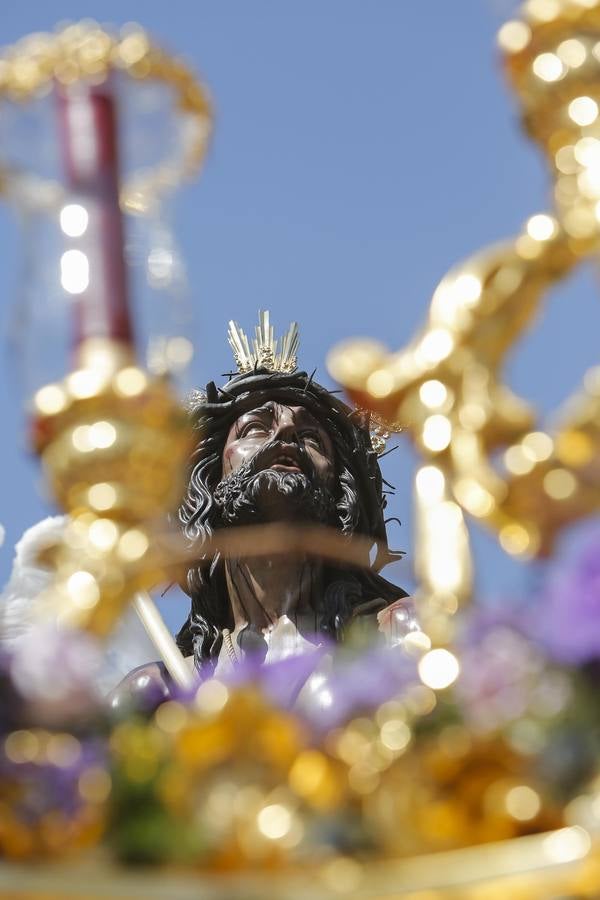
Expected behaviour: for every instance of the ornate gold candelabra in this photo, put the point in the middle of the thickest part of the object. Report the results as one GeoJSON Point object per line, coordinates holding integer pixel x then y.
{"type": "Point", "coordinates": [111, 434]}
{"type": "Point", "coordinates": [446, 385]}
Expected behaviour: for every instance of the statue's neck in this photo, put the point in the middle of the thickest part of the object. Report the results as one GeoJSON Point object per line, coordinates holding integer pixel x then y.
{"type": "Point", "coordinates": [263, 590]}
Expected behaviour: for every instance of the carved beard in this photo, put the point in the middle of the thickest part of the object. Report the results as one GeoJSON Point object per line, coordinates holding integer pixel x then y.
{"type": "Point", "coordinates": [251, 495]}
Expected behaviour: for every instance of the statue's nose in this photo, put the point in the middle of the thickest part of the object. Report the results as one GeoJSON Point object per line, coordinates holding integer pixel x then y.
{"type": "Point", "coordinates": [286, 430]}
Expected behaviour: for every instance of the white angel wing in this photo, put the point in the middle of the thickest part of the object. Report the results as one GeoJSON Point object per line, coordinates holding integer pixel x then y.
{"type": "Point", "coordinates": [128, 646]}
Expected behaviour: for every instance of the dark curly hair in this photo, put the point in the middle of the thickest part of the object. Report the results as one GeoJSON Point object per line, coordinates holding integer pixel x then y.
{"type": "Point", "coordinates": [358, 497]}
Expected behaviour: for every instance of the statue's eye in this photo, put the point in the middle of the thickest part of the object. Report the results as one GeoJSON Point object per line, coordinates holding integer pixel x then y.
{"type": "Point", "coordinates": [310, 436]}
{"type": "Point", "coordinates": [253, 427]}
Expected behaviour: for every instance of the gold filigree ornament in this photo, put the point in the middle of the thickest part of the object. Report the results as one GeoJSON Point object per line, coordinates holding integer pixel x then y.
{"type": "Point", "coordinates": [446, 384]}
{"type": "Point", "coordinates": [84, 52]}
{"type": "Point", "coordinates": [114, 443]}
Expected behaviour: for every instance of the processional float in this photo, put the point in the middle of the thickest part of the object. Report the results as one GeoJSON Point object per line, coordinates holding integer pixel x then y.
{"type": "Point", "coordinates": [113, 441]}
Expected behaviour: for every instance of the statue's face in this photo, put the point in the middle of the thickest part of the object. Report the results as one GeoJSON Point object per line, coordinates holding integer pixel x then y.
{"type": "Point", "coordinates": [288, 426]}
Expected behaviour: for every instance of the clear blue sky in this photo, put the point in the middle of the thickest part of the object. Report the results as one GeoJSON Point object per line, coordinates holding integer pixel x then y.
{"type": "Point", "coordinates": [361, 148]}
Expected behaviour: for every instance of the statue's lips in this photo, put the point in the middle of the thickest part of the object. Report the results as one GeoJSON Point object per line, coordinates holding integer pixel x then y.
{"type": "Point", "coordinates": [283, 461]}
{"type": "Point", "coordinates": [282, 467]}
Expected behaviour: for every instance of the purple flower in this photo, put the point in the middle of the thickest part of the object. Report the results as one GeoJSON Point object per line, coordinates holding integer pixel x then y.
{"type": "Point", "coordinates": [358, 684]}
{"type": "Point", "coordinates": [55, 672]}
{"type": "Point", "coordinates": [37, 787]}
{"type": "Point", "coordinates": [504, 668]}
{"type": "Point", "coordinates": [329, 685]}
{"type": "Point", "coordinates": [568, 614]}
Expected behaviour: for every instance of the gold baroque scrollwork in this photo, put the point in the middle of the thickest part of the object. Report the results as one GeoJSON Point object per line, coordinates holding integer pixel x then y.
{"type": "Point", "coordinates": [446, 384]}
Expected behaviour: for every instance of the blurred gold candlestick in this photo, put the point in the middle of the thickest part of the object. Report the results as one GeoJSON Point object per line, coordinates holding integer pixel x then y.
{"type": "Point", "coordinates": [114, 445]}
{"type": "Point", "coordinates": [104, 337]}
{"type": "Point", "coordinates": [446, 385]}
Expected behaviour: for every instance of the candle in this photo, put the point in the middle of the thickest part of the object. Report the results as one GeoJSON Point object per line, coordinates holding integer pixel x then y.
{"type": "Point", "coordinates": [93, 268]}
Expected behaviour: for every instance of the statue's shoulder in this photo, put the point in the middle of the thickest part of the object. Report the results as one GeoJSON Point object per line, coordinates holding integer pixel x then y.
{"type": "Point", "coordinates": [144, 687]}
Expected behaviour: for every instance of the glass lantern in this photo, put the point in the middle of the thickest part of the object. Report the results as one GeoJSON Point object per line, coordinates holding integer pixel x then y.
{"type": "Point", "coordinates": [96, 133]}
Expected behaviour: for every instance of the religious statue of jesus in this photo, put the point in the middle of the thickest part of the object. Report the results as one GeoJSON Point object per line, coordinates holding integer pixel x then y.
{"type": "Point", "coordinates": [274, 446]}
